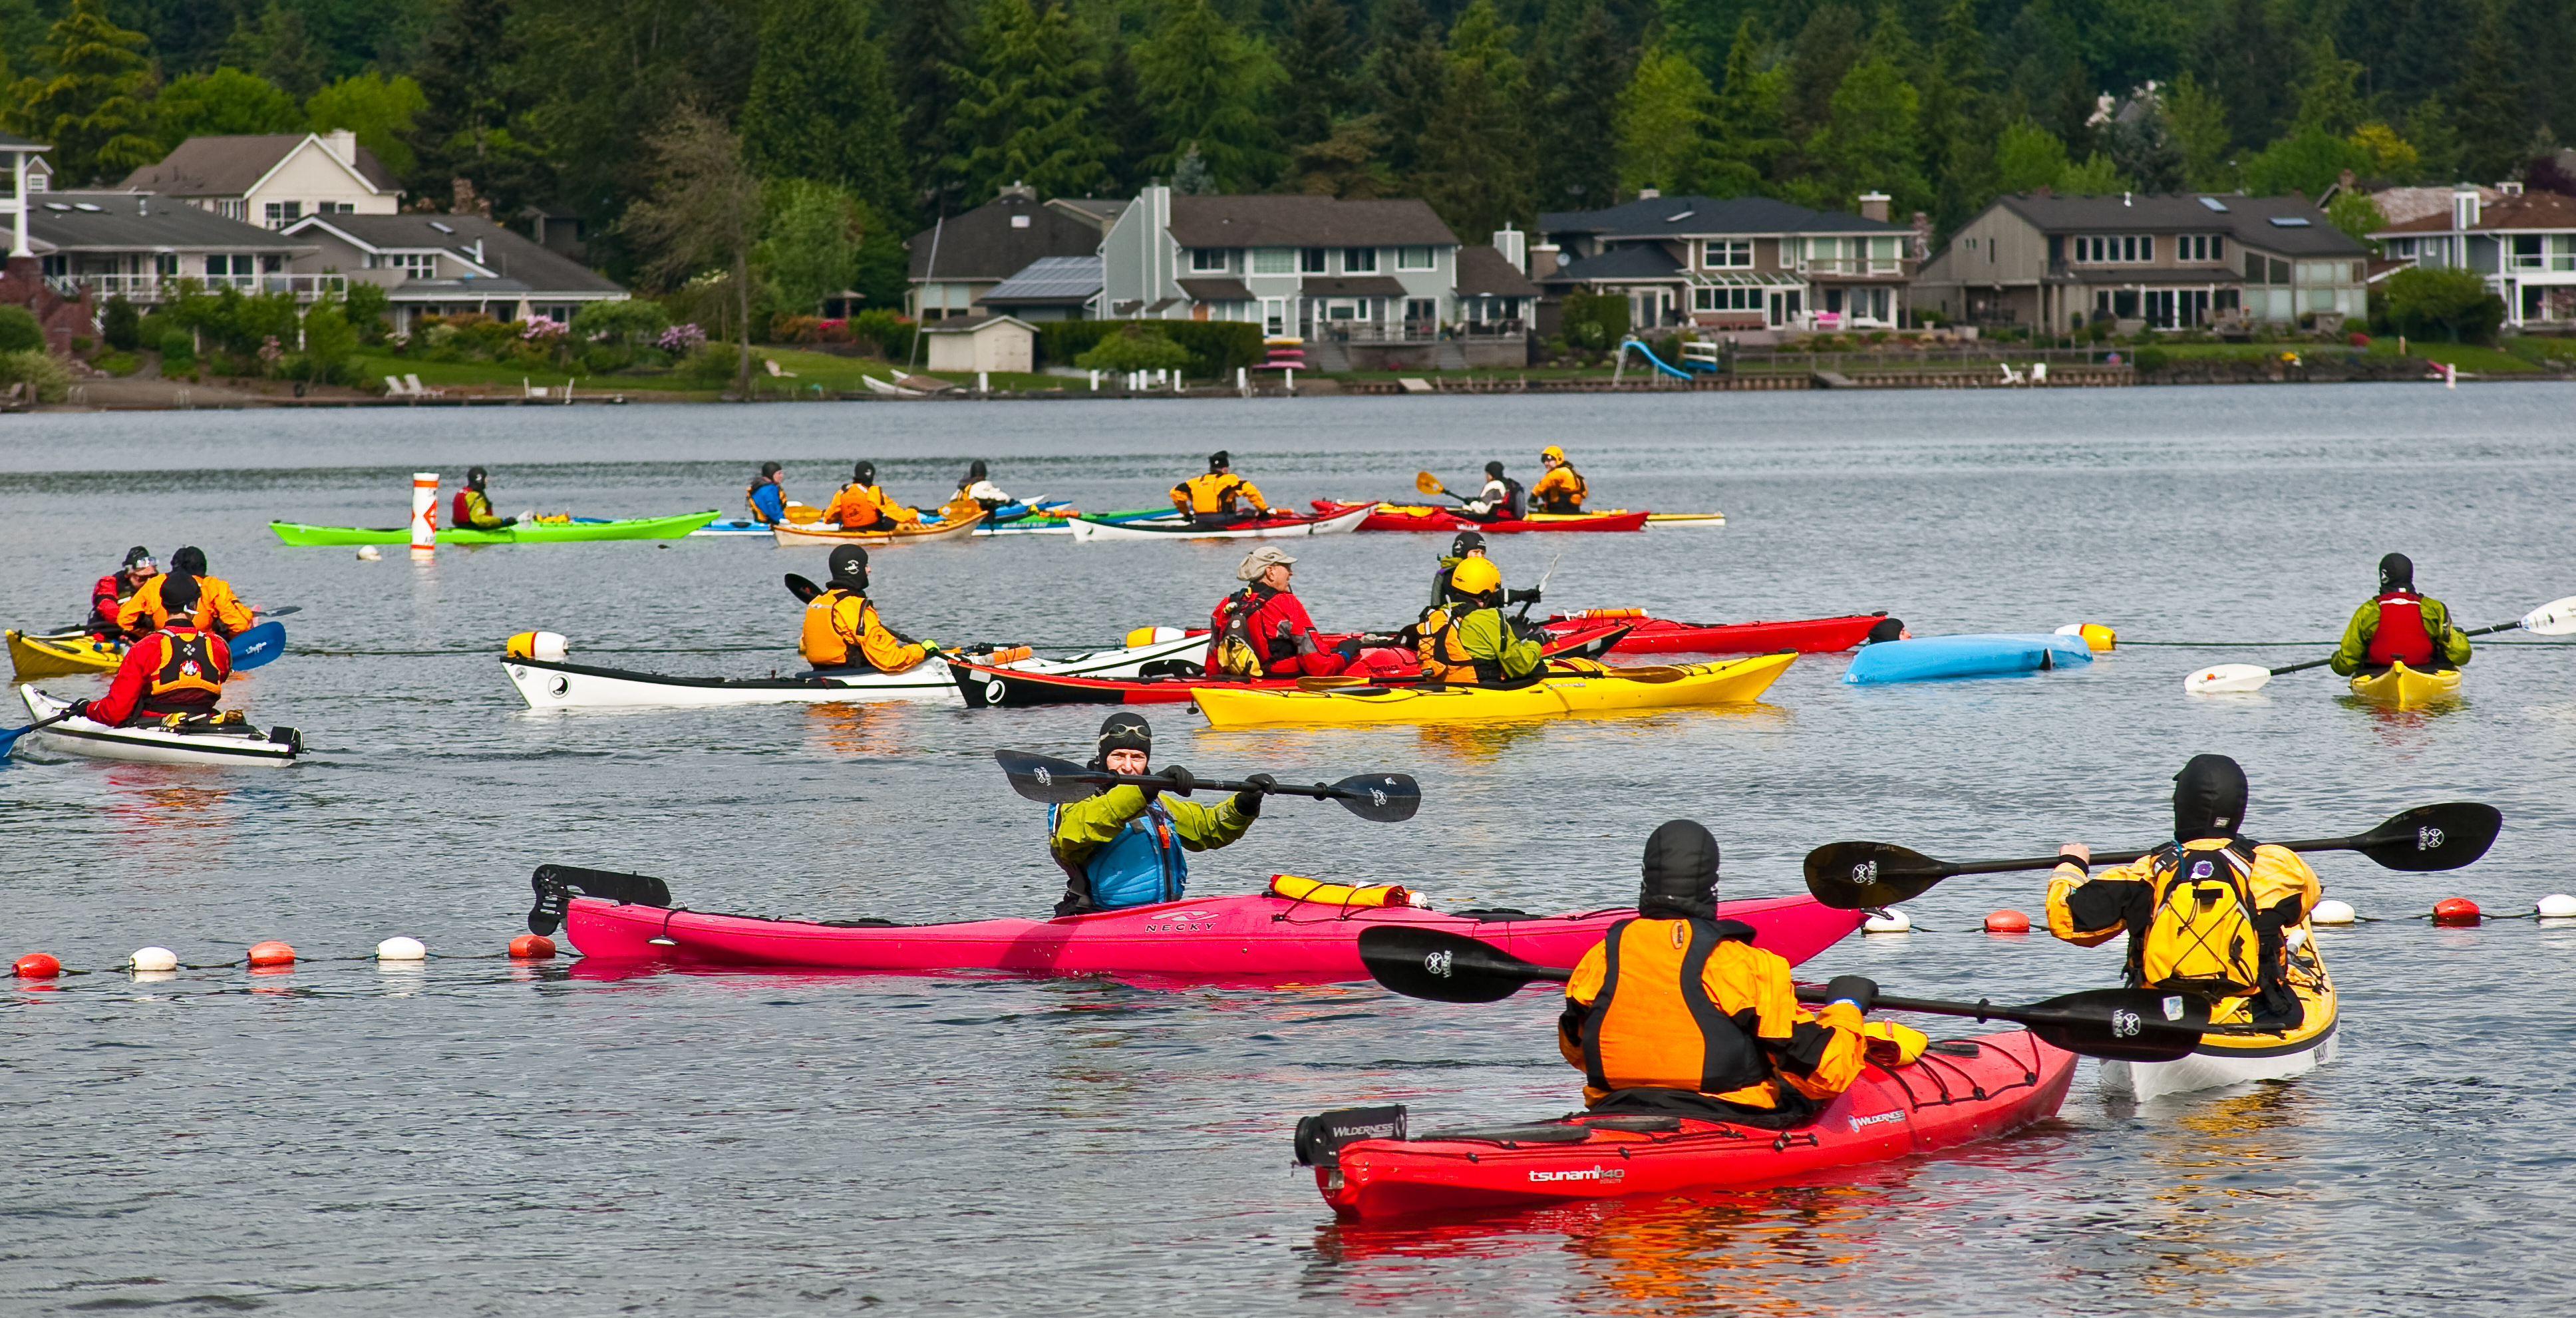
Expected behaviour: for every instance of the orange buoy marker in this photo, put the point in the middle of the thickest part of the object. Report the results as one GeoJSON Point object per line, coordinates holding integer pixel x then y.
{"type": "Point", "coordinates": [38, 965]}
{"type": "Point", "coordinates": [2007, 922]}
{"type": "Point", "coordinates": [531, 947]}
{"type": "Point", "coordinates": [2455, 910]}
{"type": "Point", "coordinates": [271, 953]}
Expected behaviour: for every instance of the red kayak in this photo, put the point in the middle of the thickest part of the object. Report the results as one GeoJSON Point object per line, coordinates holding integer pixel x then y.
{"type": "Point", "coordinates": [1261, 936]}
{"type": "Point", "coordinates": [985, 686]}
{"type": "Point", "coordinates": [1408, 517]}
{"type": "Point", "coordinates": [1665, 636]}
{"type": "Point", "coordinates": [1958, 1092]}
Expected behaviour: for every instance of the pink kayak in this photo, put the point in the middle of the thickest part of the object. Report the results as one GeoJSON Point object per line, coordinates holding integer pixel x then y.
{"type": "Point", "coordinates": [1212, 937]}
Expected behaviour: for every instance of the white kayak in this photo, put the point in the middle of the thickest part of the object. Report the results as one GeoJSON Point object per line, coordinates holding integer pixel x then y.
{"type": "Point", "coordinates": [557, 684]}
{"type": "Point", "coordinates": [1178, 528]}
{"type": "Point", "coordinates": [237, 743]}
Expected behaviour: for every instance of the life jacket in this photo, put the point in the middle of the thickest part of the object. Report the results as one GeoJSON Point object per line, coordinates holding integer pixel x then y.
{"type": "Point", "coordinates": [2401, 634]}
{"type": "Point", "coordinates": [1672, 1034]}
{"type": "Point", "coordinates": [1143, 864]}
{"type": "Point", "coordinates": [751, 501]}
{"type": "Point", "coordinates": [820, 642]}
{"type": "Point", "coordinates": [1565, 501]}
{"type": "Point", "coordinates": [1214, 492]}
{"type": "Point", "coordinates": [470, 509]}
{"type": "Point", "coordinates": [1237, 649]}
{"type": "Point", "coordinates": [2203, 937]}
{"type": "Point", "coordinates": [1444, 655]}
{"type": "Point", "coordinates": [187, 678]}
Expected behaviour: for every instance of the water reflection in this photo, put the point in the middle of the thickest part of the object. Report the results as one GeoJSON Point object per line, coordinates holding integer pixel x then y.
{"type": "Point", "coordinates": [2226, 1176]}
{"type": "Point", "coordinates": [158, 809]}
{"type": "Point", "coordinates": [861, 729]}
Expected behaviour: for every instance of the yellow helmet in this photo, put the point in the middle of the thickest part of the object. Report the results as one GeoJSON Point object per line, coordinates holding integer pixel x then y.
{"type": "Point", "coordinates": [1475, 576]}
{"type": "Point", "coordinates": [1552, 451]}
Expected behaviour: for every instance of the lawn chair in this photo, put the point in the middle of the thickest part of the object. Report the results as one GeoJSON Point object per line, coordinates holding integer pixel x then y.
{"type": "Point", "coordinates": [418, 392]}
{"type": "Point", "coordinates": [772, 364]}
{"type": "Point", "coordinates": [2039, 372]}
{"type": "Point", "coordinates": [2012, 376]}
{"type": "Point", "coordinates": [394, 387]}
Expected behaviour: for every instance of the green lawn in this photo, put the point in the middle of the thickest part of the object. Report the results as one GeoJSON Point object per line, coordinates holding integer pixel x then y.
{"type": "Point", "coordinates": [834, 374]}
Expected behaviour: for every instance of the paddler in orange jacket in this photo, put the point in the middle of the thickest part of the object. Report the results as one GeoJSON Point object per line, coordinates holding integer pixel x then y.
{"type": "Point", "coordinates": [862, 504]}
{"type": "Point", "coordinates": [177, 670]}
{"type": "Point", "coordinates": [2399, 625]}
{"type": "Point", "coordinates": [842, 628]}
{"type": "Point", "coordinates": [1676, 1011]}
{"type": "Point", "coordinates": [1562, 489]}
{"type": "Point", "coordinates": [1210, 500]}
{"type": "Point", "coordinates": [212, 606]}
{"type": "Point", "coordinates": [2209, 913]}
{"type": "Point", "coordinates": [114, 589]}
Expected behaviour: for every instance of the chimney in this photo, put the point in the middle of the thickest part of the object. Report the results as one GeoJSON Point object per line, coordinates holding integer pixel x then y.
{"type": "Point", "coordinates": [343, 146]}
{"type": "Point", "coordinates": [1649, 194]}
{"type": "Point", "coordinates": [1020, 190]}
{"type": "Point", "coordinates": [1873, 206]}
{"type": "Point", "coordinates": [1542, 260]}
{"type": "Point", "coordinates": [2464, 206]}
{"type": "Point", "coordinates": [1514, 245]}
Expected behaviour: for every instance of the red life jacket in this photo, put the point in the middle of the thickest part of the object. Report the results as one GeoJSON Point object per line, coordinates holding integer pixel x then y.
{"type": "Point", "coordinates": [2401, 633]}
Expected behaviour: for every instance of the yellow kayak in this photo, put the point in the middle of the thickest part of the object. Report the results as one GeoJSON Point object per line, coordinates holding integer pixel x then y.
{"type": "Point", "coordinates": [1652, 519]}
{"type": "Point", "coordinates": [1738, 681]}
{"type": "Point", "coordinates": [2235, 1059]}
{"type": "Point", "coordinates": [63, 654]}
{"type": "Point", "coordinates": [2406, 687]}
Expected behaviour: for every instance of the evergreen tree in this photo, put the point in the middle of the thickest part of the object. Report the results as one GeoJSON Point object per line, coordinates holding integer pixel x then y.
{"type": "Point", "coordinates": [2197, 121]}
{"type": "Point", "coordinates": [2436, 141]}
{"type": "Point", "coordinates": [1960, 119]}
{"type": "Point", "coordinates": [822, 107]}
{"type": "Point", "coordinates": [464, 130]}
{"type": "Point", "coordinates": [1126, 122]}
{"type": "Point", "coordinates": [1747, 138]}
{"type": "Point", "coordinates": [1345, 165]}
{"type": "Point", "coordinates": [2328, 98]}
{"type": "Point", "coordinates": [1662, 123]}
{"type": "Point", "coordinates": [1204, 82]}
{"type": "Point", "coordinates": [2243, 56]}
{"type": "Point", "coordinates": [87, 103]}
{"type": "Point", "coordinates": [1320, 56]}
{"type": "Point", "coordinates": [1477, 161]}
{"type": "Point", "coordinates": [2487, 104]}
{"type": "Point", "coordinates": [1412, 77]}
{"type": "Point", "coordinates": [1825, 50]}
{"type": "Point", "coordinates": [1578, 98]}
{"type": "Point", "coordinates": [927, 49]}
{"type": "Point", "coordinates": [1024, 111]}
{"type": "Point", "coordinates": [279, 47]}
{"type": "Point", "coordinates": [1872, 139]}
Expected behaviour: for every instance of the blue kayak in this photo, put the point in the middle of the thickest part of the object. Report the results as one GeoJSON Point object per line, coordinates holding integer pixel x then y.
{"type": "Point", "coordinates": [1928, 657]}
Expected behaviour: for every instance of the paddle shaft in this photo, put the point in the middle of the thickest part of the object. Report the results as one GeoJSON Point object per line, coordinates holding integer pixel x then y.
{"type": "Point", "coordinates": [9, 739]}
{"type": "Point", "coordinates": [2514, 625]}
{"type": "Point", "coordinates": [2124, 857]}
{"type": "Point", "coordinates": [1320, 791]}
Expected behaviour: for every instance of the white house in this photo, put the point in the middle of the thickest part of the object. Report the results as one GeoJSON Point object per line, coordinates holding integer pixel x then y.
{"type": "Point", "coordinates": [274, 179]}
{"type": "Point", "coordinates": [2523, 243]}
{"type": "Point", "coordinates": [450, 264]}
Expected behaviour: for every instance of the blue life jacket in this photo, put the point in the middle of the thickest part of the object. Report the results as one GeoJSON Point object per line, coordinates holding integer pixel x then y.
{"type": "Point", "coordinates": [767, 498]}
{"type": "Point", "coordinates": [1142, 865]}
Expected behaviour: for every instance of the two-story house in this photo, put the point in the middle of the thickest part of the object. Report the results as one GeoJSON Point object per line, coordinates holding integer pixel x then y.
{"type": "Point", "coordinates": [448, 265]}
{"type": "Point", "coordinates": [1741, 263]}
{"type": "Point", "coordinates": [2161, 261]}
{"type": "Point", "coordinates": [2523, 243]}
{"type": "Point", "coordinates": [958, 260]}
{"type": "Point", "coordinates": [274, 179]}
{"type": "Point", "coordinates": [139, 246]}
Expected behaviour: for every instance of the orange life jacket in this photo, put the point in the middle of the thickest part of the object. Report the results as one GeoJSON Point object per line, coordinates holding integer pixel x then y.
{"type": "Point", "coordinates": [188, 676]}
{"type": "Point", "coordinates": [2401, 633]}
{"type": "Point", "coordinates": [821, 642]}
{"type": "Point", "coordinates": [1444, 657]}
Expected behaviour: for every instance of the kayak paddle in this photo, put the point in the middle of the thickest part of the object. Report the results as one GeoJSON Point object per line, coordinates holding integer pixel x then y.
{"type": "Point", "coordinates": [277, 613]}
{"type": "Point", "coordinates": [1854, 876]}
{"type": "Point", "coordinates": [1429, 484]}
{"type": "Point", "coordinates": [2556, 618]}
{"type": "Point", "coordinates": [9, 739]}
{"type": "Point", "coordinates": [802, 589]}
{"type": "Point", "coordinates": [1384, 798]}
{"type": "Point", "coordinates": [2136, 1025]}
{"type": "Point", "coordinates": [258, 646]}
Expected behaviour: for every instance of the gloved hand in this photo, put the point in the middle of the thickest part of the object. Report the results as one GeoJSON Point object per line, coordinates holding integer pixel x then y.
{"type": "Point", "coordinates": [1181, 779]}
{"type": "Point", "coordinates": [1529, 596]}
{"type": "Point", "coordinates": [932, 647]}
{"type": "Point", "coordinates": [80, 709]}
{"type": "Point", "coordinates": [1248, 804]}
{"type": "Point", "coordinates": [1859, 990]}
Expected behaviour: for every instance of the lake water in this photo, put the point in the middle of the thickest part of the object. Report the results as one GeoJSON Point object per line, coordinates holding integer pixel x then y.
{"type": "Point", "coordinates": [472, 1136]}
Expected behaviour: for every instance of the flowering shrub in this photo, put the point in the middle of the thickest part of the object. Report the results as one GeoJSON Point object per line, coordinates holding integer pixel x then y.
{"type": "Point", "coordinates": [832, 331]}
{"type": "Point", "coordinates": [543, 328]}
{"type": "Point", "coordinates": [794, 329]}
{"type": "Point", "coordinates": [681, 339]}
{"type": "Point", "coordinates": [270, 355]}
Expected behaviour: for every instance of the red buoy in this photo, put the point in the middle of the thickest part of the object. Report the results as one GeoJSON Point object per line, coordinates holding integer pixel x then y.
{"type": "Point", "coordinates": [38, 965]}
{"type": "Point", "coordinates": [271, 953]}
{"type": "Point", "coordinates": [2455, 910]}
{"type": "Point", "coordinates": [531, 947]}
{"type": "Point", "coordinates": [2007, 922]}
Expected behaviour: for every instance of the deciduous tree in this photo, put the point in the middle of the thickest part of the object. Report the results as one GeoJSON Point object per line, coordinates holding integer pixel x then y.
{"type": "Point", "coordinates": [704, 210]}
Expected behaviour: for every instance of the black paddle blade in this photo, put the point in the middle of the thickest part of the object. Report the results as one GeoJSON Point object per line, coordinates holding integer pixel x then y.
{"type": "Point", "coordinates": [1446, 967]}
{"type": "Point", "coordinates": [2126, 1025]}
{"type": "Point", "coordinates": [2433, 837]}
{"type": "Point", "coordinates": [1853, 876]}
{"type": "Point", "coordinates": [1039, 778]}
{"type": "Point", "coordinates": [802, 589]}
{"type": "Point", "coordinates": [1380, 798]}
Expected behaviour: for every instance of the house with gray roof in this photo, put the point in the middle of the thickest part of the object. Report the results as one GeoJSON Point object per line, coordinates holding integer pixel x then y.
{"type": "Point", "coordinates": [2158, 261]}
{"type": "Point", "coordinates": [2522, 243]}
{"type": "Point", "coordinates": [1736, 263]}
{"type": "Point", "coordinates": [448, 265]}
{"type": "Point", "coordinates": [1049, 288]}
{"type": "Point", "coordinates": [956, 261]}
{"type": "Point", "coordinates": [139, 246]}
{"type": "Point", "coordinates": [274, 179]}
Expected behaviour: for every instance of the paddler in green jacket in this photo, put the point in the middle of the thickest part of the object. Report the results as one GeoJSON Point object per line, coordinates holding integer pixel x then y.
{"type": "Point", "coordinates": [1471, 640]}
{"type": "Point", "coordinates": [2399, 625]}
{"type": "Point", "coordinates": [1124, 846]}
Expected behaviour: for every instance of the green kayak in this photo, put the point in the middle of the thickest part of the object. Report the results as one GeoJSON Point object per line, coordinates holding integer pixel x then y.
{"type": "Point", "coordinates": [579, 528]}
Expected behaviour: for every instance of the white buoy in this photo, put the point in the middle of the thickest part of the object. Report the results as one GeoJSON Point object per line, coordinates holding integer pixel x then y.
{"type": "Point", "coordinates": [369, 553]}
{"type": "Point", "coordinates": [153, 958]}
{"type": "Point", "coordinates": [2556, 906]}
{"type": "Point", "coordinates": [424, 514]}
{"type": "Point", "coordinates": [2331, 911]}
{"type": "Point", "coordinates": [1894, 922]}
{"type": "Point", "coordinates": [401, 949]}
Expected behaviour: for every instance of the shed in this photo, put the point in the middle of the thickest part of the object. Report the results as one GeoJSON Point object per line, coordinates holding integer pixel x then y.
{"type": "Point", "coordinates": [988, 343]}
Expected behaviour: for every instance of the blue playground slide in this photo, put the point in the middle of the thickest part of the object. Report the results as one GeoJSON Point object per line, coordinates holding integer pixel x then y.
{"type": "Point", "coordinates": [1652, 360]}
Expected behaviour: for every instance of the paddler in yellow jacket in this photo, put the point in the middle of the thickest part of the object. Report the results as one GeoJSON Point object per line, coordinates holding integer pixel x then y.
{"type": "Point", "coordinates": [215, 609]}
{"type": "Point", "coordinates": [2208, 913]}
{"type": "Point", "coordinates": [1562, 489]}
{"type": "Point", "coordinates": [2398, 624]}
{"type": "Point", "coordinates": [1676, 1011]}
{"type": "Point", "coordinates": [1125, 846]}
{"type": "Point", "coordinates": [842, 628]}
{"type": "Point", "coordinates": [862, 504]}
{"type": "Point", "coordinates": [1211, 500]}
{"type": "Point", "coordinates": [1471, 640]}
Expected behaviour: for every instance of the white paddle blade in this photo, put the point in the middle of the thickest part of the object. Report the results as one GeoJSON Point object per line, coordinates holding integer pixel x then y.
{"type": "Point", "coordinates": [2556, 618]}
{"type": "Point", "coordinates": [2226, 678]}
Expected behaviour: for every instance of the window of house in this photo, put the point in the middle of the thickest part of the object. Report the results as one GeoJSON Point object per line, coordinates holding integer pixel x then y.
{"type": "Point", "coordinates": [1310, 260]}
{"type": "Point", "coordinates": [2115, 248]}
{"type": "Point", "coordinates": [1727, 254]}
{"type": "Point", "coordinates": [1207, 260]}
{"type": "Point", "coordinates": [1726, 299]}
{"type": "Point", "coordinates": [2562, 251]}
{"type": "Point", "coordinates": [233, 209]}
{"type": "Point", "coordinates": [1274, 261]}
{"type": "Point", "coordinates": [166, 264]}
{"type": "Point", "coordinates": [1274, 310]}
{"type": "Point", "coordinates": [283, 213]}
{"type": "Point", "coordinates": [1019, 221]}
{"type": "Point", "coordinates": [1359, 260]}
{"type": "Point", "coordinates": [2200, 247]}
{"type": "Point", "coordinates": [1415, 258]}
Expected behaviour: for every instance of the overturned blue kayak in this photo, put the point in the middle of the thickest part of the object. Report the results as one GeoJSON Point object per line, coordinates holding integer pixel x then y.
{"type": "Point", "coordinates": [1927, 657]}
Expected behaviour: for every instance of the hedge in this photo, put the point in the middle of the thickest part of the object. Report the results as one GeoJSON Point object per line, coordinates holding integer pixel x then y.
{"type": "Point", "coordinates": [1216, 347]}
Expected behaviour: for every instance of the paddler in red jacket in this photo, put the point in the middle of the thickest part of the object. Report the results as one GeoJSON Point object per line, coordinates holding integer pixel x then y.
{"type": "Point", "coordinates": [177, 670]}
{"type": "Point", "coordinates": [472, 508]}
{"type": "Point", "coordinates": [1262, 630]}
{"type": "Point", "coordinates": [1676, 1011]}
{"type": "Point", "coordinates": [114, 589]}
{"type": "Point", "coordinates": [2399, 625]}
